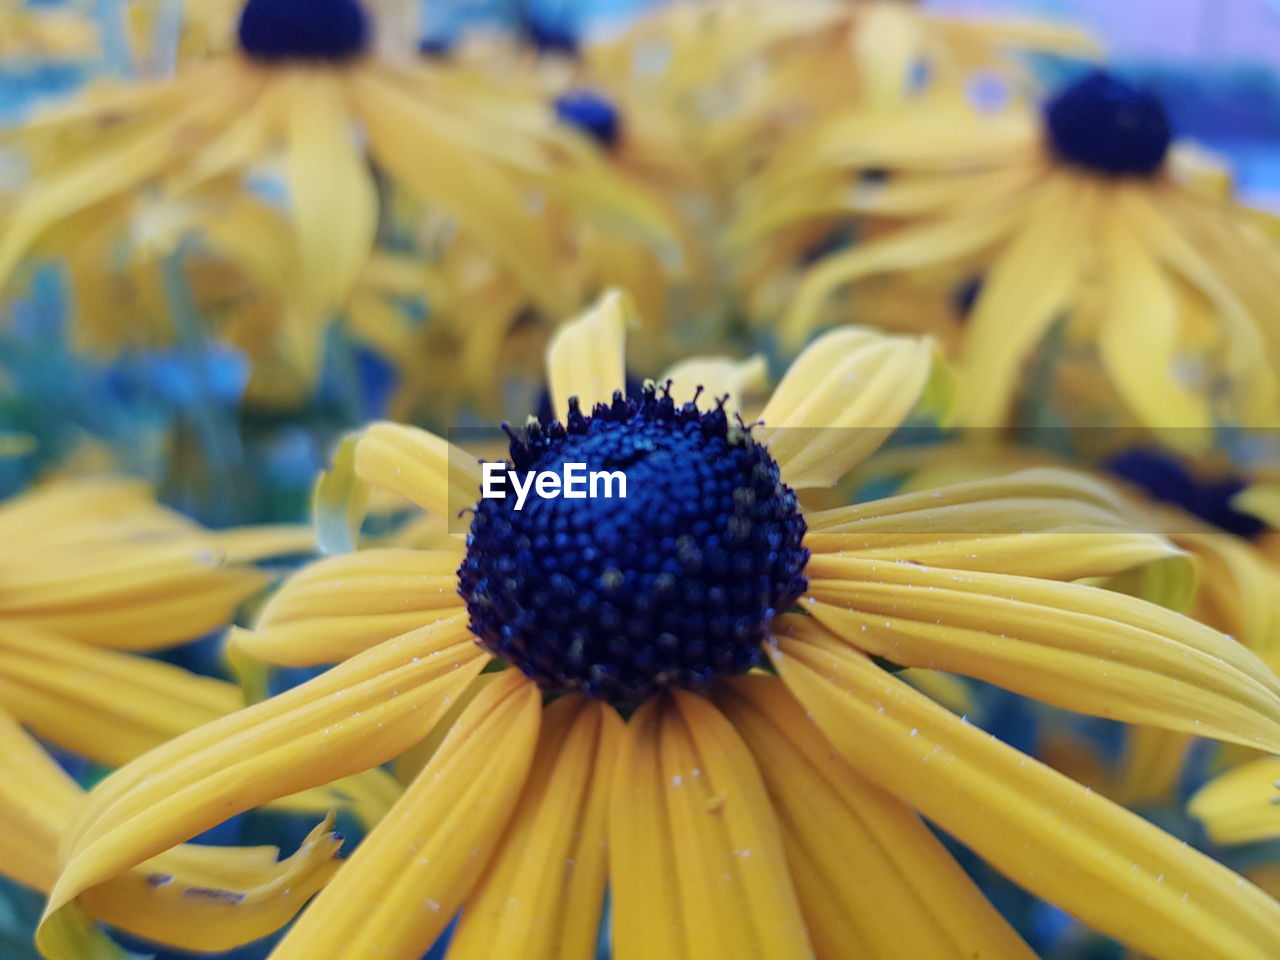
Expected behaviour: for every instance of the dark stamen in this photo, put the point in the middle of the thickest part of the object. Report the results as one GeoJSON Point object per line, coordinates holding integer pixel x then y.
{"type": "Point", "coordinates": [592, 114]}
{"type": "Point", "coordinates": [1108, 126]}
{"type": "Point", "coordinates": [325, 30]}
{"type": "Point", "coordinates": [670, 587]}
{"type": "Point", "coordinates": [1165, 478]}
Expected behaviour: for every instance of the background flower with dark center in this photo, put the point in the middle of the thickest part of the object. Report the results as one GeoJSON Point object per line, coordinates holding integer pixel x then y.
{"type": "Point", "coordinates": [725, 810]}
{"type": "Point", "coordinates": [745, 72]}
{"type": "Point", "coordinates": [1078, 216]}
{"type": "Point", "coordinates": [304, 87]}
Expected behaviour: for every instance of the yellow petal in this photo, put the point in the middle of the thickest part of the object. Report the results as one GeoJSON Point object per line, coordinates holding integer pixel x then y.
{"type": "Point", "coordinates": [209, 899]}
{"type": "Point", "coordinates": [834, 196]}
{"type": "Point", "coordinates": [410, 763]}
{"type": "Point", "coordinates": [1074, 646]}
{"type": "Point", "coordinates": [587, 356]}
{"type": "Point", "coordinates": [336, 607]}
{"type": "Point", "coordinates": [1262, 500]}
{"type": "Point", "coordinates": [907, 897]}
{"type": "Point", "coordinates": [214, 898]}
{"type": "Point", "coordinates": [697, 869]}
{"type": "Point", "coordinates": [107, 706]}
{"type": "Point", "coordinates": [1030, 283]}
{"type": "Point", "coordinates": [409, 142]}
{"type": "Point", "coordinates": [1251, 381]}
{"type": "Point", "coordinates": [339, 500]}
{"type": "Point", "coordinates": [37, 800]}
{"type": "Point", "coordinates": [1031, 33]}
{"type": "Point", "coordinates": [1043, 522]}
{"type": "Point", "coordinates": [353, 717]}
{"type": "Point", "coordinates": [1138, 336]}
{"type": "Point", "coordinates": [540, 897]}
{"type": "Point", "coordinates": [106, 565]}
{"type": "Point", "coordinates": [368, 795]}
{"type": "Point", "coordinates": [1238, 587]}
{"type": "Point", "coordinates": [599, 195]}
{"type": "Point", "coordinates": [888, 45]}
{"type": "Point", "coordinates": [1107, 866]}
{"type": "Point", "coordinates": [907, 249]}
{"type": "Point", "coordinates": [247, 140]}
{"type": "Point", "coordinates": [717, 377]}
{"type": "Point", "coordinates": [954, 693]}
{"type": "Point", "coordinates": [246, 544]}
{"type": "Point", "coordinates": [335, 206]}
{"type": "Point", "coordinates": [840, 398]}
{"type": "Point", "coordinates": [1149, 768]}
{"type": "Point", "coordinates": [420, 467]}
{"type": "Point", "coordinates": [406, 880]}
{"type": "Point", "coordinates": [1241, 806]}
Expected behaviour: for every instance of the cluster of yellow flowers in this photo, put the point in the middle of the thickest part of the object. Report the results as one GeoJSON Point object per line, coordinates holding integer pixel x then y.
{"type": "Point", "coordinates": [719, 711]}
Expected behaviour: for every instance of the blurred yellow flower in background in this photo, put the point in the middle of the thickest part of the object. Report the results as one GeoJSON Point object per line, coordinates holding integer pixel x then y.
{"type": "Point", "coordinates": [1076, 216]}
{"type": "Point", "coordinates": [745, 72]}
{"type": "Point", "coordinates": [304, 88]}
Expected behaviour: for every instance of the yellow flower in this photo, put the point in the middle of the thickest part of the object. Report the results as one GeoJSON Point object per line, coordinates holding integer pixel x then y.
{"type": "Point", "coordinates": [303, 85]}
{"type": "Point", "coordinates": [725, 811]}
{"type": "Point", "coordinates": [1076, 215]}
{"type": "Point", "coordinates": [91, 570]}
{"type": "Point", "coordinates": [745, 72]}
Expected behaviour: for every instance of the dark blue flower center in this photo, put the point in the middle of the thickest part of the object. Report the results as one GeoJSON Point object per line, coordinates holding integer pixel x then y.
{"type": "Point", "coordinates": [1165, 478]}
{"type": "Point", "coordinates": [326, 30]}
{"type": "Point", "coordinates": [592, 114]}
{"type": "Point", "coordinates": [1108, 126]}
{"type": "Point", "coordinates": [436, 48]}
{"type": "Point", "coordinates": [549, 37]}
{"type": "Point", "coordinates": [670, 587]}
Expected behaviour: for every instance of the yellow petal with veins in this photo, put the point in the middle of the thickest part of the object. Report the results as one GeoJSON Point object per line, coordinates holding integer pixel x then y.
{"type": "Point", "coordinates": [907, 897]}
{"type": "Point", "coordinates": [541, 896]}
{"type": "Point", "coordinates": [1241, 806]}
{"type": "Point", "coordinates": [1030, 283]}
{"type": "Point", "coordinates": [335, 205]}
{"type": "Point", "coordinates": [195, 896]}
{"type": "Point", "coordinates": [355, 716]}
{"type": "Point", "coordinates": [840, 398]}
{"type": "Point", "coordinates": [104, 705]}
{"type": "Point", "coordinates": [404, 883]}
{"type": "Point", "coordinates": [586, 357]}
{"type": "Point", "coordinates": [717, 377]}
{"type": "Point", "coordinates": [1043, 522]}
{"type": "Point", "coordinates": [336, 607]}
{"type": "Point", "coordinates": [697, 868]}
{"type": "Point", "coordinates": [419, 466]}
{"type": "Point", "coordinates": [1074, 646]}
{"type": "Point", "coordinates": [1096, 860]}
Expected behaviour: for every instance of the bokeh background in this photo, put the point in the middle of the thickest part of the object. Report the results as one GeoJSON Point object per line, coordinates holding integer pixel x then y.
{"type": "Point", "coordinates": [174, 417]}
